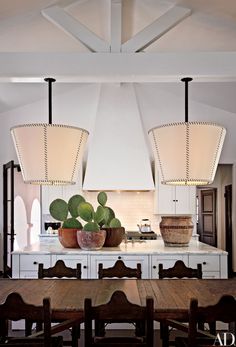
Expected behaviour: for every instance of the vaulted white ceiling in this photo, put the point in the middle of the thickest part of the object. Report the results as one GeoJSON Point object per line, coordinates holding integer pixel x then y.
{"type": "Point", "coordinates": [211, 27]}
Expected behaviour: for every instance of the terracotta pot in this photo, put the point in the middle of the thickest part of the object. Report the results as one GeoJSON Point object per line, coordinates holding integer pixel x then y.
{"type": "Point", "coordinates": [114, 236]}
{"type": "Point", "coordinates": [176, 231]}
{"type": "Point", "coordinates": [68, 237]}
{"type": "Point", "coordinates": [91, 240]}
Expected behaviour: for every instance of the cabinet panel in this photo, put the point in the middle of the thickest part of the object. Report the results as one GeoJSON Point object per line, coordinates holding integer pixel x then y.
{"type": "Point", "coordinates": [185, 200]}
{"type": "Point", "coordinates": [209, 262]}
{"type": "Point", "coordinates": [167, 261]}
{"type": "Point", "coordinates": [50, 193]}
{"type": "Point", "coordinates": [30, 262]}
{"type": "Point", "coordinates": [174, 199]}
{"type": "Point", "coordinates": [28, 265]}
{"type": "Point", "coordinates": [109, 261]}
{"type": "Point", "coordinates": [211, 274]}
{"type": "Point", "coordinates": [72, 260]}
{"type": "Point", "coordinates": [165, 199]}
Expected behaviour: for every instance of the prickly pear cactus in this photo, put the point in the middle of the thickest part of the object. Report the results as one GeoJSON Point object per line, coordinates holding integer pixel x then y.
{"type": "Point", "coordinates": [73, 205]}
{"type": "Point", "coordinates": [59, 209]}
{"type": "Point", "coordinates": [102, 198]}
{"type": "Point", "coordinates": [86, 211]}
{"type": "Point", "coordinates": [115, 223]}
{"type": "Point", "coordinates": [99, 214]}
{"type": "Point", "coordinates": [72, 223]}
{"type": "Point", "coordinates": [91, 226]}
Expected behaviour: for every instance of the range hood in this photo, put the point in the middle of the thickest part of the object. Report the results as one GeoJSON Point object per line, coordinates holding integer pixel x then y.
{"type": "Point", "coordinates": [118, 157]}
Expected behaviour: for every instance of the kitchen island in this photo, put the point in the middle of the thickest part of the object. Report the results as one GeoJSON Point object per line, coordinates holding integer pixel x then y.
{"type": "Point", "coordinates": [149, 253]}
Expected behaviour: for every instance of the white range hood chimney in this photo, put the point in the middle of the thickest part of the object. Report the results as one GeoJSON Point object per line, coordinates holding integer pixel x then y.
{"type": "Point", "coordinates": [118, 157]}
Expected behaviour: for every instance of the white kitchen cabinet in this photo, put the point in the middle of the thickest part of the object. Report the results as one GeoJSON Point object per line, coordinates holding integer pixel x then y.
{"type": "Point", "coordinates": [71, 261]}
{"type": "Point", "coordinates": [26, 265]}
{"type": "Point", "coordinates": [167, 261]}
{"type": "Point", "coordinates": [50, 193]}
{"type": "Point", "coordinates": [109, 261]}
{"type": "Point", "coordinates": [174, 199]}
{"type": "Point", "coordinates": [150, 254]}
{"type": "Point", "coordinates": [213, 266]}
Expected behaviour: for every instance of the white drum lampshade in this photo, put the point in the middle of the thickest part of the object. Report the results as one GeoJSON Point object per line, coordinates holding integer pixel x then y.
{"type": "Point", "coordinates": [187, 153]}
{"type": "Point", "coordinates": [49, 153]}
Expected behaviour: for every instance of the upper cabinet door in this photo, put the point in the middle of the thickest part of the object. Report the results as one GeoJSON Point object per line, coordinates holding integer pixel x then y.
{"type": "Point", "coordinates": [185, 200]}
{"type": "Point", "coordinates": [50, 193]}
{"type": "Point", "coordinates": [174, 199]}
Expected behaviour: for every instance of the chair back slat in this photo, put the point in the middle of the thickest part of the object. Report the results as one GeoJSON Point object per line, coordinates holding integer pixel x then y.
{"type": "Point", "coordinates": [119, 270]}
{"type": "Point", "coordinates": [59, 270]}
{"type": "Point", "coordinates": [223, 311]}
{"type": "Point", "coordinates": [180, 270]}
{"type": "Point", "coordinates": [119, 310]}
{"type": "Point", "coordinates": [15, 308]}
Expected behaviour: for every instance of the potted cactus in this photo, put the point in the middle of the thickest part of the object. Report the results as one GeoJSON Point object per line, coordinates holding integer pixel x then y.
{"type": "Point", "coordinates": [68, 214]}
{"type": "Point", "coordinates": [114, 231]}
{"type": "Point", "coordinates": [102, 227]}
{"type": "Point", "coordinates": [91, 237]}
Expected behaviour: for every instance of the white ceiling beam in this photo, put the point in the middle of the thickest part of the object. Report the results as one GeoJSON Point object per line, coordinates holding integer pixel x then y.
{"type": "Point", "coordinates": [156, 29]}
{"type": "Point", "coordinates": [71, 26]}
{"type": "Point", "coordinates": [117, 67]}
{"type": "Point", "coordinates": [68, 3]}
{"type": "Point", "coordinates": [116, 25]}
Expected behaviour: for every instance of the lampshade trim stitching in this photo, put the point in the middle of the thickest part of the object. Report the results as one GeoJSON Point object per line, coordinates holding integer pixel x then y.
{"type": "Point", "coordinates": [187, 153]}
{"type": "Point", "coordinates": [48, 125]}
{"type": "Point", "coordinates": [77, 155]}
{"type": "Point", "coordinates": [45, 135]}
{"type": "Point", "coordinates": [184, 123]}
{"type": "Point", "coordinates": [158, 155]}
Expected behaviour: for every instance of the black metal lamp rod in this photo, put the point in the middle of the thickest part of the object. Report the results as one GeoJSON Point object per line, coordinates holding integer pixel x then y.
{"type": "Point", "coordinates": [186, 80]}
{"type": "Point", "coordinates": [50, 81]}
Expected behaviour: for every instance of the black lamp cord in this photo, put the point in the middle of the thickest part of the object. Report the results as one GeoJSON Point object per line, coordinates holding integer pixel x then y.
{"type": "Point", "coordinates": [50, 81]}
{"type": "Point", "coordinates": [186, 80]}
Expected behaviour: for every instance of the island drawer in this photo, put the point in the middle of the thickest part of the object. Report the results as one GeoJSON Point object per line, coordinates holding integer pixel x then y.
{"type": "Point", "coordinates": [129, 260]}
{"type": "Point", "coordinates": [209, 262]}
{"type": "Point", "coordinates": [167, 260]}
{"type": "Point", "coordinates": [71, 260]}
{"type": "Point", "coordinates": [31, 262]}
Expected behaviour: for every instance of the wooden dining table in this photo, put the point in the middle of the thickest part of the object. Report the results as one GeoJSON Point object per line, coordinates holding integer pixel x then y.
{"type": "Point", "coordinates": [171, 297]}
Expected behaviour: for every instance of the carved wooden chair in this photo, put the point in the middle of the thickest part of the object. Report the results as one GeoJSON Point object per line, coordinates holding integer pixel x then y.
{"type": "Point", "coordinates": [223, 311]}
{"type": "Point", "coordinates": [119, 270]}
{"type": "Point", "coordinates": [60, 270]}
{"type": "Point", "coordinates": [119, 310]}
{"type": "Point", "coordinates": [179, 270]}
{"type": "Point", "coordinates": [14, 308]}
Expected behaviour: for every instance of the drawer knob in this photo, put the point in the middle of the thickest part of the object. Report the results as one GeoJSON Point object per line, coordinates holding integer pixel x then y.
{"type": "Point", "coordinates": [119, 257]}
{"type": "Point", "coordinates": [154, 267]}
{"type": "Point", "coordinates": [85, 267]}
{"type": "Point", "coordinates": [35, 262]}
{"type": "Point", "coordinates": [204, 263]}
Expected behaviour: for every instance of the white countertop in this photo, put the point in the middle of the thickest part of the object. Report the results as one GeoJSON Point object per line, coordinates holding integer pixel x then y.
{"type": "Point", "coordinates": [52, 245]}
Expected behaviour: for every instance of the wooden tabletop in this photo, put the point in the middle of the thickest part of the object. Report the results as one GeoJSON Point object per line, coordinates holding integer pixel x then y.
{"type": "Point", "coordinates": [171, 297]}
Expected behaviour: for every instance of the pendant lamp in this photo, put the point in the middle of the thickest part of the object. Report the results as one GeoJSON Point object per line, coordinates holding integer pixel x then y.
{"type": "Point", "coordinates": [187, 153]}
{"type": "Point", "coordinates": [49, 154]}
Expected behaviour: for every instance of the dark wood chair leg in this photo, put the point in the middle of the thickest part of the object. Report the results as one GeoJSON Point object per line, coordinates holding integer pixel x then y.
{"type": "Point", "coordinates": [164, 331]}
{"type": "Point", "coordinates": [75, 335]}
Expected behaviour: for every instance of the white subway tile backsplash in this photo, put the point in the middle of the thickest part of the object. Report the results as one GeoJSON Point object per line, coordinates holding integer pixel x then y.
{"type": "Point", "coordinates": [129, 207]}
